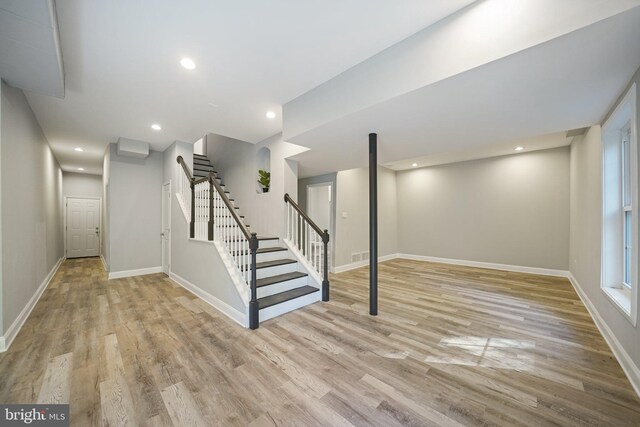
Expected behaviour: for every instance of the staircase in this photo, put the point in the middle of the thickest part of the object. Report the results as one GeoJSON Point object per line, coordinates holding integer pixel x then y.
{"type": "Point", "coordinates": [282, 279]}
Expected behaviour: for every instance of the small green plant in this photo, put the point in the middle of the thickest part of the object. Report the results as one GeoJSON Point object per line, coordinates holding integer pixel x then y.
{"type": "Point", "coordinates": [264, 180]}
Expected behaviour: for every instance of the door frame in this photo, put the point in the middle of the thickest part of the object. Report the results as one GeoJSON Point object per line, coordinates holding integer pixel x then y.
{"type": "Point", "coordinates": [332, 216]}
{"type": "Point", "coordinates": [162, 230]}
{"type": "Point", "coordinates": [64, 219]}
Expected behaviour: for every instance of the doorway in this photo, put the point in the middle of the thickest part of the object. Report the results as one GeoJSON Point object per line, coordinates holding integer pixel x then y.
{"type": "Point", "coordinates": [83, 227]}
{"type": "Point", "coordinates": [320, 210]}
{"type": "Point", "coordinates": [166, 228]}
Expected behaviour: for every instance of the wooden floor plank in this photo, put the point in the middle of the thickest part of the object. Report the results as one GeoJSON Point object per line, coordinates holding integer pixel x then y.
{"type": "Point", "coordinates": [451, 345]}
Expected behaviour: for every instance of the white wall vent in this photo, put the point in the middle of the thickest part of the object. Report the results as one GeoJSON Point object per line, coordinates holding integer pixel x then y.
{"type": "Point", "coordinates": [355, 257]}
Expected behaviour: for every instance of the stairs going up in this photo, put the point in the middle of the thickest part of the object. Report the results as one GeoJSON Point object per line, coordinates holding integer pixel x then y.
{"type": "Point", "coordinates": [281, 282]}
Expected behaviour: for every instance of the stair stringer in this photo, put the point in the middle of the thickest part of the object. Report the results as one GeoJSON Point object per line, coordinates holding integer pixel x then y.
{"type": "Point", "coordinates": [315, 279]}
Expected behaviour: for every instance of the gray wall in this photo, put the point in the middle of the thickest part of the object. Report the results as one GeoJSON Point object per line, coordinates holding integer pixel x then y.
{"type": "Point", "coordinates": [81, 185]}
{"type": "Point", "coordinates": [31, 206]}
{"type": "Point", "coordinates": [586, 229]}
{"type": "Point", "coordinates": [134, 211]}
{"type": "Point", "coordinates": [507, 210]}
{"type": "Point", "coordinates": [352, 197]}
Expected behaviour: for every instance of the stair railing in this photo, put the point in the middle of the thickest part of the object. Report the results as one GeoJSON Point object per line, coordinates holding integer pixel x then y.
{"type": "Point", "coordinates": [213, 217]}
{"type": "Point", "coordinates": [310, 240]}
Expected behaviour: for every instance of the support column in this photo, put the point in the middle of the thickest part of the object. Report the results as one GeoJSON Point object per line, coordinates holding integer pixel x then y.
{"type": "Point", "coordinates": [373, 224]}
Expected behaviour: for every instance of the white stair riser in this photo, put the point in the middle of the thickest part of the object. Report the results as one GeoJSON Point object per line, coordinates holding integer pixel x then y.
{"type": "Point", "coordinates": [270, 256]}
{"type": "Point", "coordinates": [274, 271]}
{"type": "Point", "coordinates": [269, 243]}
{"type": "Point", "coordinates": [285, 307]}
{"type": "Point", "coordinates": [276, 288]}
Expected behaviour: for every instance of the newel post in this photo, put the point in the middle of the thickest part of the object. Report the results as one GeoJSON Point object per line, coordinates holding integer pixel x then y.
{"type": "Point", "coordinates": [253, 304]}
{"type": "Point", "coordinates": [325, 279]}
{"type": "Point", "coordinates": [192, 224]}
{"type": "Point", "coordinates": [210, 223]}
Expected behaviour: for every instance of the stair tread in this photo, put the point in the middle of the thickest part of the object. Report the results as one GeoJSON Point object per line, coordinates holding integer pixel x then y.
{"type": "Point", "coordinates": [285, 296]}
{"type": "Point", "coordinates": [259, 237]}
{"type": "Point", "coordinates": [263, 250]}
{"type": "Point", "coordinates": [279, 278]}
{"type": "Point", "coordinates": [275, 263]}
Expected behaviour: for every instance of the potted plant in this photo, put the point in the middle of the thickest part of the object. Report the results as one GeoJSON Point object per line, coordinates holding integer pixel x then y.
{"type": "Point", "coordinates": [264, 180]}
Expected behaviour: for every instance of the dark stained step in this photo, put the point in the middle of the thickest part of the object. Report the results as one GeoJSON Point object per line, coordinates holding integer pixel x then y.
{"type": "Point", "coordinates": [259, 237]}
{"type": "Point", "coordinates": [261, 250]}
{"type": "Point", "coordinates": [285, 296]}
{"type": "Point", "coordinates": [202, 156]}
{"type": "Point", "coordinates": [275, 263]}
{"type": "Point", "coordinates": [279, 278]}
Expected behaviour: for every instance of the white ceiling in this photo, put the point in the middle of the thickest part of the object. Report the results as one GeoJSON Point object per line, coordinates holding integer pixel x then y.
{"type": "Point", "coordinates": [30, 56]}
{"type": "Point", "coordinates": [123, 74]}
{"type": "Point", "coordinates": [566, 83]}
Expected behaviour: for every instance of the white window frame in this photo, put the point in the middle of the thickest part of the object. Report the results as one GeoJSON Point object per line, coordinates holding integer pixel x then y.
{"type": "Point", "coordinates": [618, 199]}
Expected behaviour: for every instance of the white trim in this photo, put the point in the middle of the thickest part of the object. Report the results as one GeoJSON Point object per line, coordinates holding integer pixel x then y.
{"type": "Point", "coordinates": [354, 265]}
{"type": "Point", "coordinates": [237, 316]}
{"type": "Point", "coordinates": [489, 265]}
{"type": "Point", "coordinates": [162, 230]}
{"type": "Point", "coordinates": [131, 273]}
{"type": "Point", "coordinates": [628, 366]}
{"type": "Point", "coordinates": [14, 329]}
{"type": "Point", "coordinates": [104, 263]}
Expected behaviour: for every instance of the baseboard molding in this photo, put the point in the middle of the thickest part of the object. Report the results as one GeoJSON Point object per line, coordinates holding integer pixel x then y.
{"type": "Point", "coordinates": [221, 306]}
{"type": "Point", "coordinates": [489, 265]}
{"type": "Point", "coordinates": [12, 331]}
{"type": "Point", "coordinates": [104, 263]}
{"type": "Point", "coordinates": [630, 369]}
{"type": "Point", "coordinates": [354, 265]}
{"type": "Point", "coordinates": [131, 273]}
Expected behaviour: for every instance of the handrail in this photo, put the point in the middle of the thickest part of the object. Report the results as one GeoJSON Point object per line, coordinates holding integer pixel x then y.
{"type": "Point", "coordinates": [313, 225]}
{"type": "Point", "coordinates": [212, 179]}
{"type": "Point", "coordinates": [305, 239]}
{"type": "Point", "coordinates": [185, 168]}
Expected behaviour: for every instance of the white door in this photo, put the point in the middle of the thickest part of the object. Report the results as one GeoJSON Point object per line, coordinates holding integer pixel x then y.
{"type": "Point", "coordinates": [166, 228]}
{"type": "Point", "coordinates": [83, 227]}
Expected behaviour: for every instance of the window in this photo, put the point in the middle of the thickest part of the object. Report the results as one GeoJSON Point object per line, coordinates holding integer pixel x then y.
{"type": "Point", "coordinates": [620, 207]}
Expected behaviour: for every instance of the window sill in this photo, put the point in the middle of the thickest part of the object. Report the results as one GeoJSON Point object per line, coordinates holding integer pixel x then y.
{"type": "Point", "coordinates": [621, 299]}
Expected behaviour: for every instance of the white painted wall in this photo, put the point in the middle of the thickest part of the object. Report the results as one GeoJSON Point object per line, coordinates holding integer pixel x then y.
{"type": "Point", "coordinates": [106, 201]}
{"type": "Point", "coordinates": [237, 163]}
{"type": "Point", "coordinates": [134, 211]}
{"type": "Point", "coordinates": [478, 33]}
{"type": "Point", "coordinates": [352, 197]}
{"type": "Point", "coordinates": [31, 206]}
{"type": "Point", "coordinates": [510, 210]}
{"type": "Point", "coordinates": [586, 246]}
{"type": "Point", "coordinates": [81, 185]}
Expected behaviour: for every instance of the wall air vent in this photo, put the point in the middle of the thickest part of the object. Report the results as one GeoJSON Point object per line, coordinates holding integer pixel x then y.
{"type": "Point", "coordinates": [132, 148]}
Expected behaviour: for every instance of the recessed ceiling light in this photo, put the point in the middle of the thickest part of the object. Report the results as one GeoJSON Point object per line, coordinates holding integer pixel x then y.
{"type": "Point", "coordinates": [188, 63]}
{"type": "Point", "coordinates": [78, 149]}
{"type": "Point", "coordinates": [80, 169]}
{"type": "Point", "coordinates": [156, 126]}
{"type": "Point", "coordinates": [414, 165]}
{"type": "Point", "coordinates": [519, 148]}
{"type": "Point", "coordinates": [270, 115]}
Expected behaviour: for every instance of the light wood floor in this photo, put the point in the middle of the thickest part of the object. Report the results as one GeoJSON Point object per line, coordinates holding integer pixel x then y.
{"type": "Point", "coordinates": [451, 346]}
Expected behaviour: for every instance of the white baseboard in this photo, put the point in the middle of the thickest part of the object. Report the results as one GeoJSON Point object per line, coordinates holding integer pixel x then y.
{"type": "Point", "coordinates": [131, 273]}
{"type": "Point", "coordinates": [12, 331]}
{"type": "Point", "coordinates": [628, 366]}
{"type": "Point", "coordinates": [354, 265]}
{"type": "Point", "coordinates": [234, 314]}
{"type": "Point", "coordinates": [489, 265]}
{"type": "Point", "coordinates": [104, 263]}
